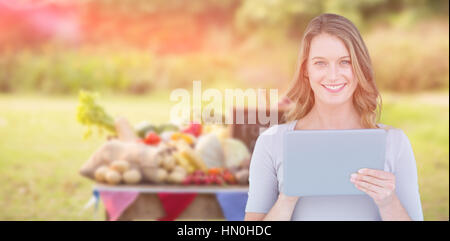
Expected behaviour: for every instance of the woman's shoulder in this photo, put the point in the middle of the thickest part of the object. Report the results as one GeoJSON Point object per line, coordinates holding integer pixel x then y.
{"type": "Point", "coordinates": [278, 130]}
{"type": "Point", "coordinates": [398, 149]}
{"type": "Point", "coordinates": [395, 136]}
{"type": "Point", "coordinates": [391, 129]}
{"type": "Point", "coordinates": [271, 139]}
{"type": "Point", "coordinates": [274, 134]}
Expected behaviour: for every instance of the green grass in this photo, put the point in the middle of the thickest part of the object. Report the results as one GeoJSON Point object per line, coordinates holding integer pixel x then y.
{"type": "Point", "coordinates": [425, 120]}
{"type": "Point", "coordinates": [41, 150]}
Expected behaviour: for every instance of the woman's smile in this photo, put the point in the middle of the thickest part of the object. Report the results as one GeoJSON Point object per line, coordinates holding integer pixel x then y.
{"type": "Point", "coordinates": [334, 88]}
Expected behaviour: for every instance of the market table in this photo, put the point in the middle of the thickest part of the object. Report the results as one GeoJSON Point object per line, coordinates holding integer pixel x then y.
{"type": "Point", "coordinates": [148, 206]}
{"type": "Point", "coordinates": [205, 205]}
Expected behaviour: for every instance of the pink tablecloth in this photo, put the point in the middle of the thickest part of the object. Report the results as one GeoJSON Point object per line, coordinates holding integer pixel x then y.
{"type": "Point", "coordinates": [117, 202]}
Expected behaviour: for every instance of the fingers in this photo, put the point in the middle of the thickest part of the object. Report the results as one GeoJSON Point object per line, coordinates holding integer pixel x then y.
{"type": "Point", "coordinates": [382, 179]}
{"type": "Point", "coordinates": [379, 185]}
{"type": "Point", "coordinates": [366, 190]}
{"type": "Point", "coordinates": [369, 186]}
{"type": "Point", "coordinates": [381, 196]}
{"type": "Point", "coordinates": [377, 173]}
{"type": "Point", "coordinates": [368, 179]}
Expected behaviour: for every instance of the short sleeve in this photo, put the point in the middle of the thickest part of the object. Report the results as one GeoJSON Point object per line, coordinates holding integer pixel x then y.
{"type": "Point", "coordinates": [407, 187]}
{"type": "Point", "coordinates": [263, 183]}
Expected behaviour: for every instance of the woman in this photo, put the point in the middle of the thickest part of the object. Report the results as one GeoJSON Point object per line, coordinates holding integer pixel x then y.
{"type": "Point", "coordinates": [334, 88]}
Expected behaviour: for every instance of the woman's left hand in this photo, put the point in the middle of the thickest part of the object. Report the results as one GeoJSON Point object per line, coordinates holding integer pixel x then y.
{"type": "Point", "coordinates": [379, 185]}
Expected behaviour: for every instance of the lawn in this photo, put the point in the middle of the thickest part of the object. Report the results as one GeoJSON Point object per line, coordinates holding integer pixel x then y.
{"type": "Point", "coordinates": [41, 150]}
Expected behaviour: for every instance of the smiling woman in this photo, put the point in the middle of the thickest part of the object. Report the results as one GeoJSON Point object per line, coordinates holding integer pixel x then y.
{"type": "Point", "coordinates": [334, 65]}
{"type": "Point", "coordinates": [330, 70]}
{"type": "Point", "coordinates": [334, 88]}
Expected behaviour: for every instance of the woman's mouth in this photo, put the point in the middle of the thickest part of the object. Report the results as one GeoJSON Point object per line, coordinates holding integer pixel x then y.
{"type": "Point", "coordinates": [334, 88]}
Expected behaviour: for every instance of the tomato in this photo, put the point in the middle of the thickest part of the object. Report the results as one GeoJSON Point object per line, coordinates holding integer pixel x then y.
{"type": "Point", "coordinates": [215, 171]}
{"type": "Point", "coordinates": [229, 178]}
{"type": "Point", "coordinates": [152, 138]}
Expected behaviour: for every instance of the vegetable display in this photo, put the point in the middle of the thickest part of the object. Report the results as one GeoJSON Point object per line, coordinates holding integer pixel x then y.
{"type": "Point", "coordinates": [195, 154]}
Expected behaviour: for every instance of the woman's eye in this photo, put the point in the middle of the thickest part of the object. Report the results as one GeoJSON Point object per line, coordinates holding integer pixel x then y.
{"type": "Point", "coordinates": [345, 62]}
{"type": "Point", "coordinates": [321, 63]}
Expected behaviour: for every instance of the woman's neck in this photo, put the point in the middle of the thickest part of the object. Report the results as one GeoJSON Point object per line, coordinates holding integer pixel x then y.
{"type": "Point", "coordinates": [323, 116]}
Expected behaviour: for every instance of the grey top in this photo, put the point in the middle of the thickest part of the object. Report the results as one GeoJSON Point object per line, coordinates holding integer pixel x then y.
{"type": "Point", "coordinates": [266, 179]}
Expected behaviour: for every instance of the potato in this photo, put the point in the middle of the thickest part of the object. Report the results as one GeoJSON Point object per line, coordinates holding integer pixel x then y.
{"type": "Point", "coordinates": [151, 157]}
{"type": "Point", "coordinates": [135, 152]}
{"type": "Point", "coordinates": [156, 175]}
{"type": "Point", "coordinates": [161, 175]}
{"type": "Point", "coordinates": [120, 165]}
{"type": "Point", "coordinates": [113, 177]}
{"type": "Point", "coordinates": [100, 173]}
{"type": "Point", "coordinates": [179, 168]}
{"type": "Point", "coordinates": [132, 176]}
{"type": "Point", "coordinates": [168, 162]}
{"type": "Point", "coordinates": [111, 150]}
{"type": "Point", "coordinates": [176, 177]}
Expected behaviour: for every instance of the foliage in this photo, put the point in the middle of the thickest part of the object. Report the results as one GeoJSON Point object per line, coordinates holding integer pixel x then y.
{"type": "Point", "coordinates": [253, 42]}
{"type": "Point", "coordinates": [410, 59]}
{"type": "Point", "coordinates": [91, 114]}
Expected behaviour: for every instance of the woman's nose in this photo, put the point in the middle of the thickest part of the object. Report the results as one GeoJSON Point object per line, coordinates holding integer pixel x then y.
{"type": "Point", "coordinates": [332, 72]}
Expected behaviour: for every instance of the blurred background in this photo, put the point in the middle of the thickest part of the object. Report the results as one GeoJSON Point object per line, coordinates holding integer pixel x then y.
{"type": "Point", "coordinates": [134, 52]}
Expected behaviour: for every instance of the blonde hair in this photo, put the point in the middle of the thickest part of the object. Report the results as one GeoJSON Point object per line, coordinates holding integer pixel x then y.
{"type": "Point", "coordinates": [366, 97]}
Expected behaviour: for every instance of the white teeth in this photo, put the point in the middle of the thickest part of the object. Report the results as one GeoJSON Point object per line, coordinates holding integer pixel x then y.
{"type": "Point", "coordinates": [334, 87]}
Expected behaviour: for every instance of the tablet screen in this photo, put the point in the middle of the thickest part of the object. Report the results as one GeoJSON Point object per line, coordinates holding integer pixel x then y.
{"type": "Point", "coordinates": [320, 162]}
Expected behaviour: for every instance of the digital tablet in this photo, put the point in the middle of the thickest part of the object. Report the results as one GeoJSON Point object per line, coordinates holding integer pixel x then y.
{"type": "Point", "coordinates": [320, 162]}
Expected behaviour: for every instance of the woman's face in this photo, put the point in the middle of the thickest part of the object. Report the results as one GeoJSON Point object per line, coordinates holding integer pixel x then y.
{"type": "Point", "coordinates": [330, 71]}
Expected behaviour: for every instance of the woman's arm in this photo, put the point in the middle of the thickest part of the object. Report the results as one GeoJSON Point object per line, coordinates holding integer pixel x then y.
{"type": "Point", "coordinates": [406, 179]}
{"type": "Point", "coordinates": [394, 211]}
{"type": "Point", "coordinates": [264, 199]}
{"type": "Point", "coordinates": [282, 209]}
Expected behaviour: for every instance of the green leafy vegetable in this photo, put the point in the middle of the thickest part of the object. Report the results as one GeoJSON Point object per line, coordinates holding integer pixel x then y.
{"type": "Point", "coordinates": [91, 114]}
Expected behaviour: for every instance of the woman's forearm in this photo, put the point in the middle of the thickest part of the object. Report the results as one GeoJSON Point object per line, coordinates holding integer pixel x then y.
{"type": "Point", "coordinates": [394, 211]}
{"type": "Point", "coordinates": [282, 209]}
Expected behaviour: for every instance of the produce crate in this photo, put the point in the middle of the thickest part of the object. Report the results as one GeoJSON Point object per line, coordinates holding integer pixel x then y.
{"type": "Point", "coordinates": [248, 133]}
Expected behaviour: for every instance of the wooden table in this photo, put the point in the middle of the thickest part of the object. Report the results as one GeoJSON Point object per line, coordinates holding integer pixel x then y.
{"type": "Point", "coordinates": [147, 205]}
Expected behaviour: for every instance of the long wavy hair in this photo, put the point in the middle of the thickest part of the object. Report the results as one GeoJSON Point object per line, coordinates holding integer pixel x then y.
{"type": "Point", "coordinates": [366, 97]}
